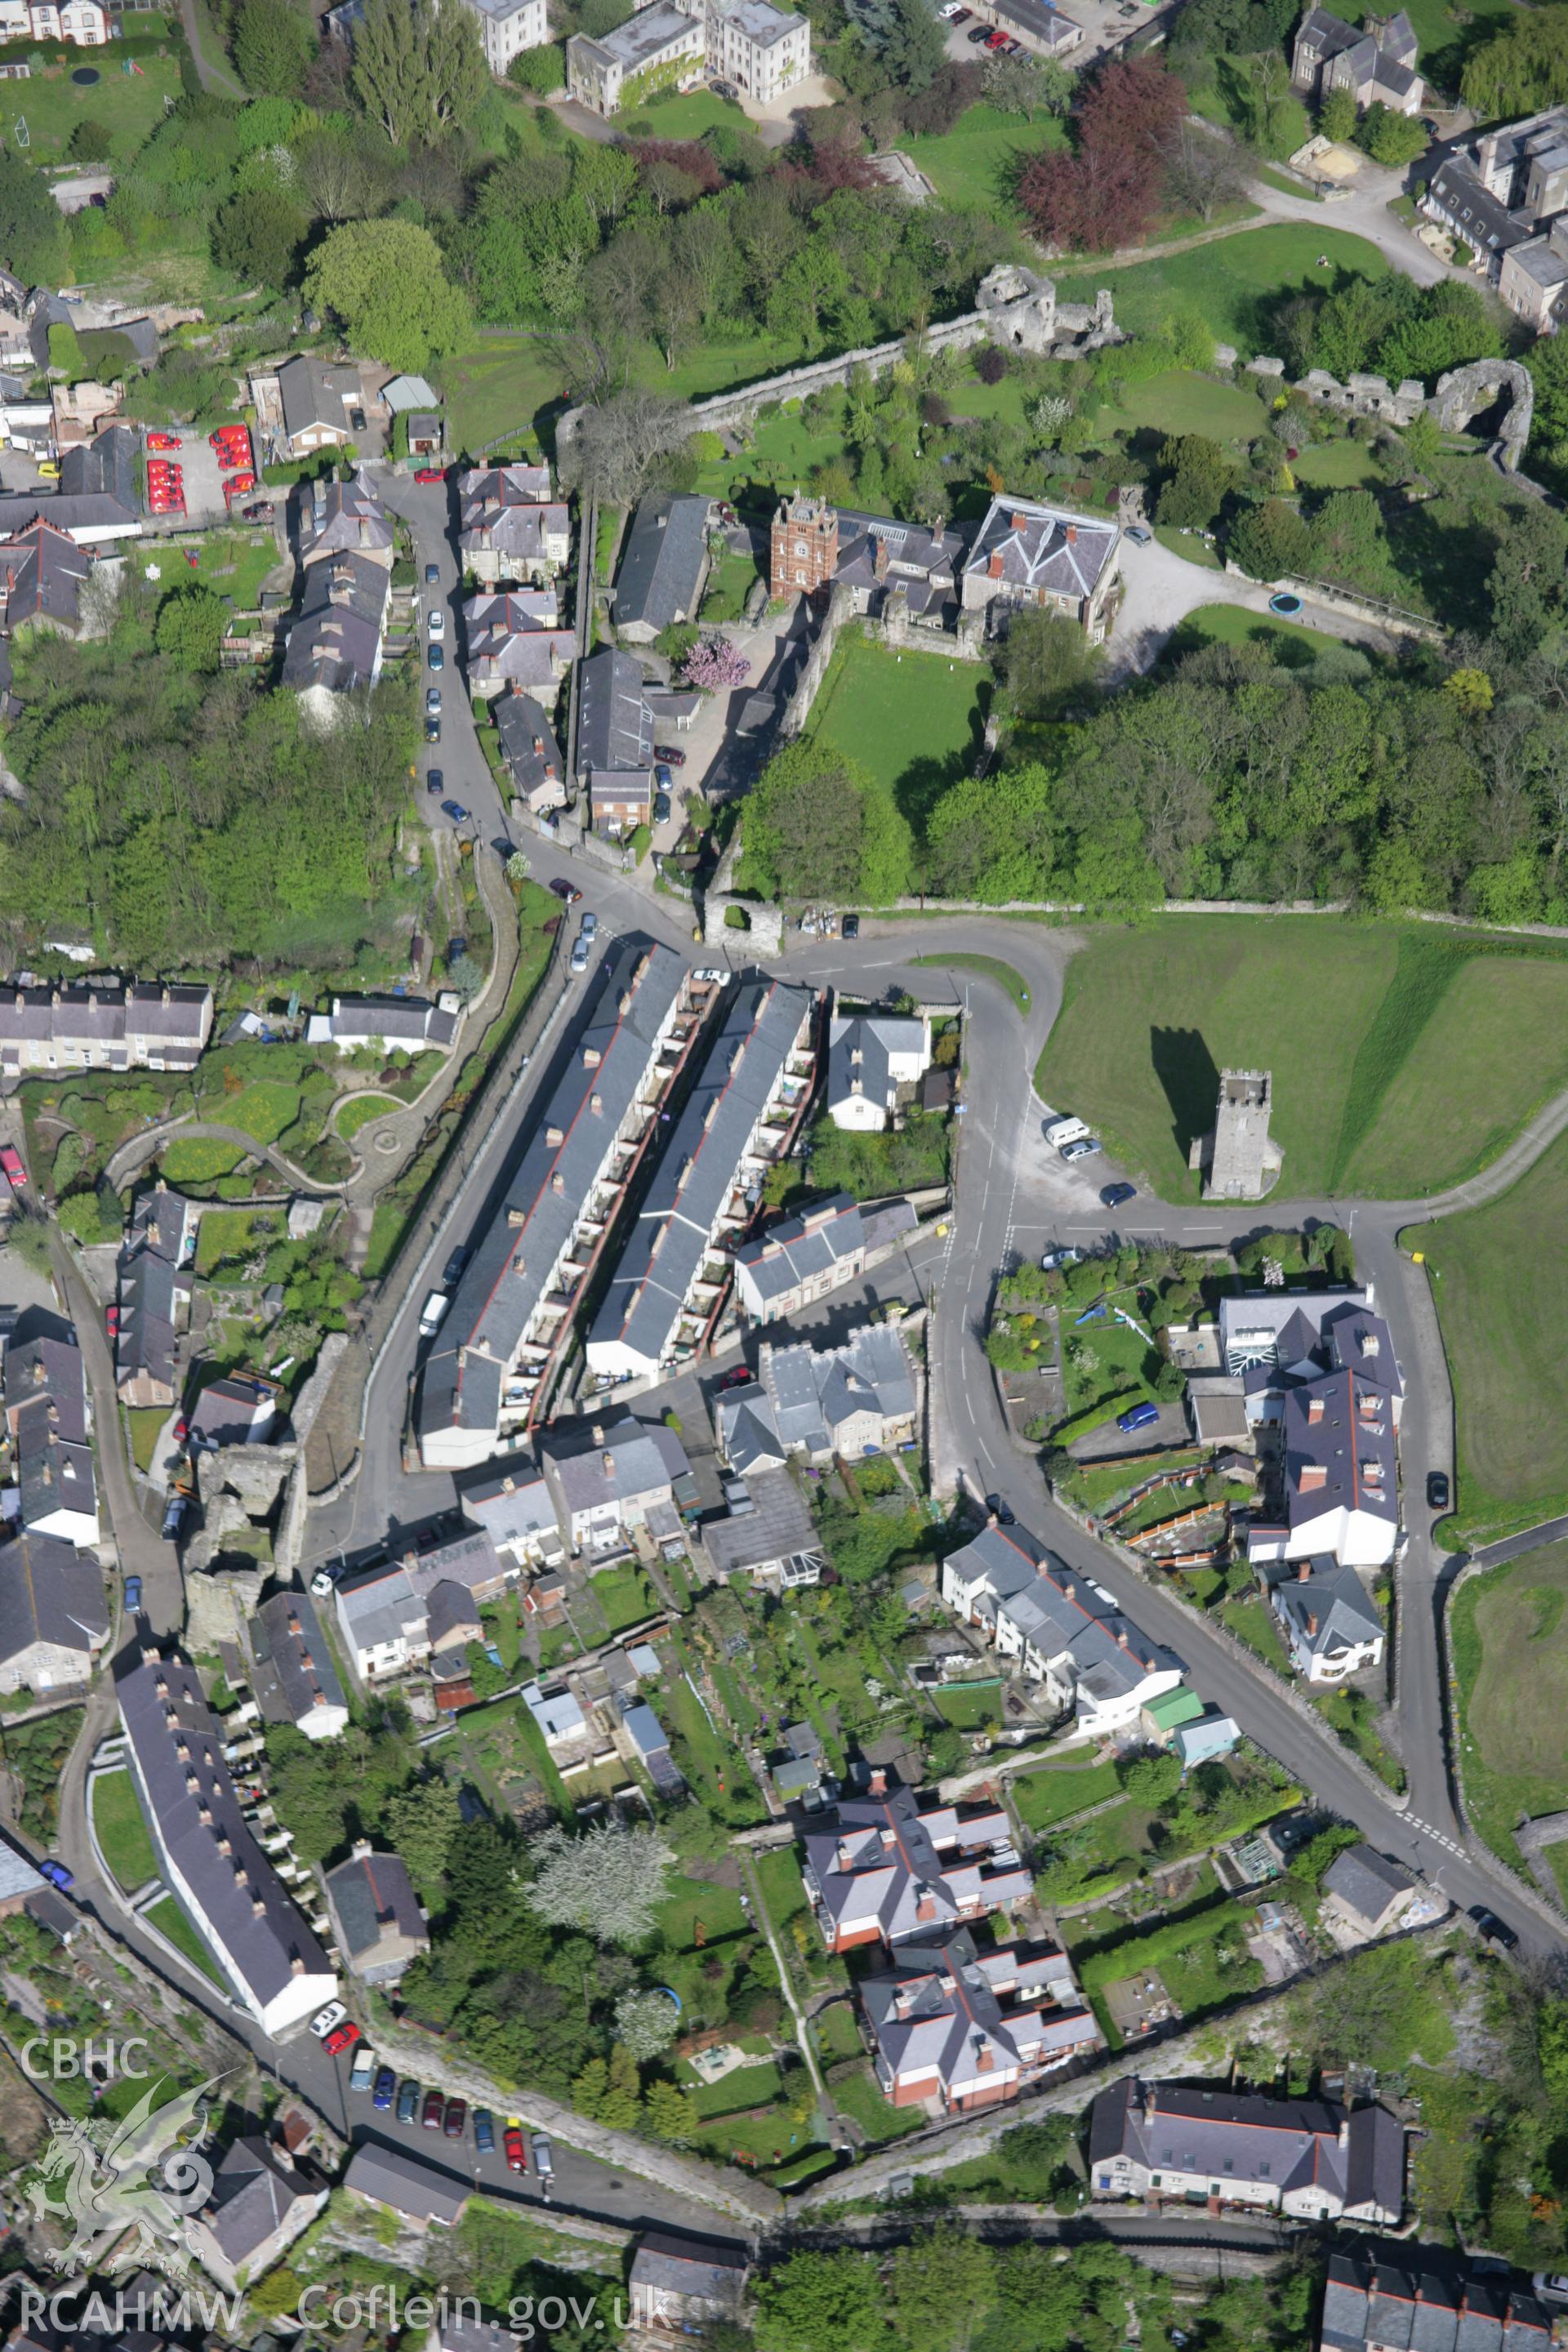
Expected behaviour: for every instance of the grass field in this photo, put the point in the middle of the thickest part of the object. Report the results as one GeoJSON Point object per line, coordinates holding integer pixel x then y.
{"type": "Point", "coordinates": [172, 1925]}
{"type": "Point", "coordinates": [974, 165]}
{"type": "Point", "coordinates": [1199, 1955]}
{"type": "Point", "coordinates": [1252, 1622]}
{"type": "Point", "coordinates": [198, 1159]}
{"type": "Point", "coordinates": [1335, 465]}
{"type": "Point", "coordinates": [1500, 1280]}
{"type": "Point", "coordinates": [1047, 1796]}
{"type": "Point", "coordinates": [263, 1109]}
{"type": "Point", "coordinates": [236, 562]}
{"type": "Point", "coordinates": [988, 968]}
{"type": "Point", "coordinates": [360, 1110]}
{"type": "Point", "coordinates": [685, 117]}
{"type": "Point", "coordinates": [1403, 1061]}
{"type": "Point", "coordinates": [1182, 401]}
{"type": "Point", "coordinates": [1292, 646]}
{"type": "Point", "coordinates": [121, 1831]}
{"type": "Point", "coordinates": [625, 1596]}
{"type": "Point", "coordinates": [915, 721]}
{"type": "Point", "coordinates": [971, 1706]}
{"type": "Point", "coordinates": [128, 105]}
{"type": "Point", "coordinates": [1509, 1642]}
{"type": "Point", "coordinates": [1192, 549]}
{"type": "Point", "coordinates": [144, 1421]}
{"type": "Point", "coordinates": [1236, 282]}
{"type": "Point", "coordinates": [861, 2099]}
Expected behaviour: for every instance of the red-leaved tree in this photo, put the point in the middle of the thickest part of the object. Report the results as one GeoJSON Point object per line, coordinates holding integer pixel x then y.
{"type": "Point", "coordinates": [688, 156]}
{"type": "Point", "coordinates": [1109, 190]}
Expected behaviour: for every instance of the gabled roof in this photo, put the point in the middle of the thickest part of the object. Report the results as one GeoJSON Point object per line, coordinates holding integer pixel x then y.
{"type": "Point", "coordinates": [615, 730]}
{"type": "Point", "coordinates": [532, 747]}
{"type": "Point", "coordinates": [938, 2011]}
{"type": "Point", "coordinates": [253, 2193]}
{"type": "Point", "coordinates": [705, 2268]}
{"type": "Point", "coordinates": [628, 1460]}
{"type": "Point", "coordinates": [1027, 545]}
{"type": "Point", "coordinates": [1366, 1883]}
{"type": "Point", "coordinates": [1060, 1613]}
{"type": "Point", "coordinates": [374, 1899]}
{"type": "Point", "coordinates": [1327, 1609]}
{"type": "Point", "coordinates": [774, 1525]}
{"type": "Point", "coordinates": [1340, 1449]}
{"type": "Point", "coordinates": [314, 394]}
{"type": "Point", "coordinates": [1428, 2302]}
{"type": "Point", "coordinates": [860, 1051]}
{"type": "Point", "coordinates": [294, 1670]}
{"type": "Point", "coordinates": [50, 1593]}
{"type": "Point", "coordinates": [662, 563]}
{"type": "Point", "coordinates": [910, 1869]}
{"type": "Point", "coordinates": [404, 2184]}
{"type": "Point", "coordinates": [1355, 2158]}
{"type": "Point", "coordinates": [796, 1249]}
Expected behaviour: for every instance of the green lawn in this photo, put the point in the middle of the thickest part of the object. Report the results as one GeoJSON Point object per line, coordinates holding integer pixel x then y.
{"type": "Point", "coordinates": [971, 1706]}
{"type": "Point", "coordinates": [914, 721]}
{"type": "Point", "coordinates": [1059, 1790]}
{"type": "Point", "coordinates": [128, 105]}
{"type": "Point", "coordinates": [122, 1830]}
{"type": "Point", "coordinates": [1235, 282]}
{"type": "Point", "coordinates": [146, 1422]}
{"type": "Point", "coordinates": [172, 1925]}
{"type": "Point", "coordinates": [235, 1234]}
{"type": "Point", "coordinates": [988, 968]}
{"type": "Point", "coordinates": [236, 562]}
{"type": "Point", "coordinates": [624, 1594]}
{"type": "Point", "coordinates": [1183, 401]}
{"type": "Point", "coordinates": [693, 1903]}
{"type": "Point", "coordinates": [497, 385]}
{"type": "Point", "coordinates": [686, 116]}
{"type": "Point", "coordinates": [1351, 1018]}
{"type": "Point", "coordinates": [199, 1159]}
{"type": "Point", "coordinates": [1251, 1620]}
{"type": "Point", "coordinates": [1192, 549]}
{"type": "Point", "coordinates": [360, 1109]}
{"type": "Point", "coordinates": [974, 165]}
{"type": "Point", "coordinates": [837, 2035]}
{"type": "Point", "coordinates": [1199, 1955]}
{"type": "Point", "coordinates": [783, 1891]}
{"type": "Point", "coordinates": [262, 1109]}
{"type": "Point", "coordinates": [1336, 466]}
{"type": "Point", "coordinates": [860, 2098]}
{"type": "Point", "coordinates": [1292, 645]}
{"type": "Point", "coordinates": [784, 450]}
{"type": "Point", "coordinates": [1500, 1280]}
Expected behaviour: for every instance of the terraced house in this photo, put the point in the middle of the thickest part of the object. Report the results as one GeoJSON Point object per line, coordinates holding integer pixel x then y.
{"type": "Point", "coordinates": [1309, 2158]}
{"type": "Point", "coordinates": [156, 1280]}
{"type": "Point", "coordinates": [514, 1306]}
{"type": "Point", "coordinates": [509, 526]}
{"type": "Point", "coordinates": [886, 1868]}
{"type": "Point", "coordinates": [739, 1119]}
{"type": "Point", "coordinates": [84, 1027]}
{"type": "Point", "coordinates": [957, 2029]}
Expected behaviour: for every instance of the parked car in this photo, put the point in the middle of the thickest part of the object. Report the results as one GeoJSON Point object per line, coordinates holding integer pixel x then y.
{"type": "Point", "coordinates": [262, 511]}
{"type": "Point", "coordinates": [163, 440]}
{"type": "Point", "coordinates": [543, 2159]}
{"type": "Point", "coordinates": [453, 1270]}
{"type": "Point", "coordinates": [432, 574]}
{"type": "Point", "coordinates": [133, 1594]}
{"type": "Point", "coordinates": [456, 810]}
{"type": "Point", "coordinates": [565, 891]}
{"type": "Point", "coordinates": [436, 782]}
{"type": "Point", "coordinates": [664, 777]}
{"type": "Point", "coordinates": [590, 925]}
{"type": "Point", "coordinates": [437, 658]}
{"type": "Point", "coordinates": [433, 699]}
{"type": "Point", "coordinates": [579, 958]}
{"type": "Point", "coordinates": [1138, 1416]}
{"type": "Point", "coordinates": [428, 474]}
{"type": "Point", "coordinates": [670, 753]}
{"type": "Point", "coordinates": [514, 2146]}
{"type": "Point", "coordinates": [1139, 534]}
{"type": "Point", "coordinates": [851, 927]}
{"type": "Point", "coordinates": [385, 2090]}
{"type": "Point", "coordinates": [362, 2074]}
{"type": "Point", "coordinates": [1053, 1258]}
{"type": "Point", "coordinates": [1436, 1490]}
{"type": "Point", "coordinates": [661, 808]}
{"type": "Point", "coordinates": [456, 2118]}
{"type": "Point", "coordinates": [437, 620]}
{"type": "Point", "coordinates": [484, 2131]}
{"type": "Point", "coordinates": [999, 1510]}
{"type": "Point", "coordinates": [435, 2114]}
{"type": "Point", "coordinates": [174, 1514]}
{"type": "Point", "coordinates": [981, 33]}
{"type": "Point", "coordinates": [323, 2021]}
{"type": "Point", "coordinates": [1493, 1927]}
{"type": "Point", "coordinates": [430, 1314]}
{"type": "Point", "coordinates": [1114, 1195]}
{"type": "Point", "coordinates": [57, 1876]}
{"type": "Point", "coordinates": [1550, 2286]}
{"type": "Point", "coordinates": [356, 420]}
{"type": "Point", "coordinates": [340, 2038]}
{"type": "Point", "coordinates": [432, 729]}
{"type": "Point", "coordinates": [408, 2103]}
{"type": "Point", "coordinates": [1083, 1147]}
{"type": "Point", "coordinates": [11, 1166]}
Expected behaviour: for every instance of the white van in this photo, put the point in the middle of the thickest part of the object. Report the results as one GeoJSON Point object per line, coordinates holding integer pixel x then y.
{"type": "Point", "coordinates": [1065, 1130]}
{"type": "Point", "coordinates": [435, 1307]}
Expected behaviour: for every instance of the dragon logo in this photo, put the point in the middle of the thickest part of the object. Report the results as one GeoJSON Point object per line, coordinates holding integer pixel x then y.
{"type": "Point", "coordinates": [145, 2173]}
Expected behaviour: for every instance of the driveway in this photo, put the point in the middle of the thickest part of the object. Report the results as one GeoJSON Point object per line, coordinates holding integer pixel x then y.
{"type": "Point", "coordinates": [1163, 588]}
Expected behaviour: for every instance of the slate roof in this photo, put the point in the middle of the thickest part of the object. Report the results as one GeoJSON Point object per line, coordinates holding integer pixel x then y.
{"type": "Point", "coordinates": [336, 639]}
{"type": "Point", "coordinates": [372, 1897]}
{"type": "Point", "coordinates": [17, 1876]}
{"type": "Point", "coordinates": [634, 44]}
{"type": "Point", "coordinates": [1253, 1322]}
{"type": "Point", "coordinates": [410, 1022]}
{"type": "Point", "coordinates": [404, 2184]}
{"type": "Point", "coordinates": [1336, 1598]}
{"type": "Point", "coordinates": [774, 1524]}
{"type": "Point", "coordinates": [748, 1428]}
{"type": "Point", "coordinates": [632, 1459]}
{"type": "Point", "coordinates": [802, 1249]}
{"type": "Point", "coordinates": [294, 1670]}
{"type": "Point", "coordinates": [1043, 548]}
{"type": "Point", "coordinates": [154, 1280]}
{"type": "Point", "coordinates": [515, 1259]}
{"type": "Point", "coordinates": [314, 394]}
{"type": "Point", "coordinates": [1058, 1612]}
{"type": "Point", "coordinates": [104, 467]}
{"type": "Point", "coordinates": [513, 1502]}
{"type": "Point", "coordinates": [937, 2007]}
{"type": "Point", "coordinates": [508, 509]}
{"type": "Point", "coordinates": [398, 1600]}
{"type": "Point", "coordinates": [614, 729]}
{"type": "Point", "coordinates": [176, 1018]}
{"type": "Point", "coordinates": [555, 1711]}
{"type": "Point", "coordinates": [705, 2268]}
{"type": "Point", "coordinates": [1340, 1449]}
{"type": "Point", "coordinates": [228, 1410]}
{"type": "Point", "coordinates": [1483, 220]}
{"type": "Point", "coordinates": [860, 1047]}
{"type": "Point", "coordinates": [47, 1405]}
{"type": "Point", "coordinates": [915, 1871]}
{"type": "Point", "coordinates": [1427, 2303]}
{"type": "Point", "coordinates": [51, 1593]}
{"type": "Point", "coordinates": [345, 518]}
{"type": "Point", "coordinates": [260, 1929]}
{"type": "Point", "coordinates": [1366, 1883]}
{"type": "Point", "coordinates": [703, 1165]}
{"type": "Point", "coordinates": [1247, 2139]}
{"type": "Point", "coordinates": [530, 744]}
{"type": "Point", "coordinates": [662, 563]}
{"type": "Point", "coordinates": [252, 2196]}
{"type": "Point", "coordinates": [513, 633]}
{"type": "Point", "coordinates": [41, 574]}
{"type": "Point", "coordinates": [815, 1392]}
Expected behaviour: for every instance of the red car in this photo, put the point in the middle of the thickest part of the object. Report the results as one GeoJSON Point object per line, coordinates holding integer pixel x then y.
{"type": "Point", "coordinates": [11, 1165]}
{"type": "Point", "coordinates": [435, 2111]}
{"type": "Point", "coordinates": [163, 440]}
{"type": "Point", "coordinates": [341, 2037]}
{"type": "Point", "coordinates": [430, 473]}
{"type": "Point", "coordinates": [239, 486]}
{"type": "Point", "coordinates": [111, 1316]}
{"type": "Point", "coordinates": [516, 2151]}
{"type": "Point", "coordinates": [232, 455]}
{"type": "Point", "coordinates": [457, 2117]}
{"type": "Point", "coordinates": [181, 1427]}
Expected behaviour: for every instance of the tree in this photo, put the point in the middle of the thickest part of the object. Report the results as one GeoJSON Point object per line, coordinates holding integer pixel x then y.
{"type": "Point", "coordinates": [32, 229]}
{"type": "Point", "coordinates": [275, 2296]}
{"type": "Point", "coordinates": [518, 867]}
{"type": "Point", "coordinates": [190, 627]}
{"type": "Point", "coordinates": [1270, 541]}
{"type": "Point", "coordinates": [1392, 139]}
{"type": "Point", "coordinates": [817, 826]}
{"type": "Point", "coordinates": [274, 44]}
{"type": "Point", "coordinates": [714, 664]}
{"type": "Point", "coordinates": [385, 281]}
{"type": "Point", "coordinates": [943, 2272]}
{"type": "Point", "coordinates": [1265, 90]}
{"type": "Point", "coordinates": [1028, 86]}
{"type": "Point", "coordinates": [1113, 186]}
{"type": "Point", "coordinates": [671, 2114]}
{"type": "Point", "coordinates": [1349, 543]}
{"type": "Point", "coordinates": [1337, 116]}
{"type": "Point", "coordinates": [821, 2302]}
{"type": "Point", "coordinates": [1525, 585]}
{"type": "Point", "coordinates": [337, 177]}
{"type": "Point", "coordinates": [609, 1881]}
{"type": "Point", "coordinates": [620, 2102]}
{"type": "Point", "coordinates": [418, 70]}
{"type": "Point", "coordinates": [1203, 173]}
{"type": "Point", "coordinates": [258, 235]}
{"type": "Point", "coordinates": [29, 1235]}
{"type": "Point", "coordinates": [422, 1825]}
{"type": "Point", "coordinates": [542, 69]}
{"type": "Point", "coordinates": [1149, 1780]}
{"type": "Point", "coordinates": [1521, 70]}
{"type": "Point", "coordinates": [1422, 439]}
{"type": "Point", "coordinates": [91, 141]}
{"type": "Point", "coordinates": [1047, 661]}
{"type": "Point", "coordinates": [1198, 474]}
{"type": "Point", "coordinates": [621, 442]}
{"type": "Point", "coordinates": [647, 2022]}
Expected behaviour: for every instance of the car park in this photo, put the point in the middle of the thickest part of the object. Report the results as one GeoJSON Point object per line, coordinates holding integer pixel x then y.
{"type": "Point", "coordinates": [670, 753]}
{"type": "Point", "coordinates": [981, 33]}
{"type": "Point", "coordinates": [455, 2118]}
{"type": "Point", "coordinates": [514, 2145]}
{"type": "Point", "coordinates": [435, 2114]}
{"type": "Point", "coordinates": [163, 440]}
{"type": "Point", "coordinates": [323, 2021]}
{"type": "Point", "coordinates": [408, 2103]}
{"type": "Point", "coordinates": [1115, 1195]}
{"type": "Point", "coordinates": [456, 810]}
{"type": "Point", "coordinates": [385, 2089]}
{"type": "Point", "coordinates": [340, 2038]}
{"type": "Point", "coordinates": [1436, 1490]}
{"type": "Point", "coordinates": [133, 1594]}
{"type": "Point", "coordinates": [363, 2071]}
{"type": "Point", "coordinates": [484, 2131]}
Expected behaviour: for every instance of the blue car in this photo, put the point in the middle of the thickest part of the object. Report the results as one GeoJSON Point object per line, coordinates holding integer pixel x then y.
{"type": "Point", "coordinates": [133, 1593]}
{"type": "Point", "coordinates": [456, 810]}
{"type": "Point", "coordinates": [484, 2131]}
{"type": "Point", "coordinates": [57, 1876]}
{"type": "Point", "coordinates": [1115, 1195]}
{"type": "Point", "coordinates": [1139, 1417]}
{"type": "Point", "coordinates": [385, 2086]}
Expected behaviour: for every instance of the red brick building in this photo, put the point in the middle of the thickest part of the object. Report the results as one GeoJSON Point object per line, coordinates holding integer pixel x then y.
{"type": "Point", "coordinates": [804, 550]}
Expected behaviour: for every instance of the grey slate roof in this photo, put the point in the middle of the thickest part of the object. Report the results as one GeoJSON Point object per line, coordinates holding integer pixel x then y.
{"type": "Point", "coordinates": [51, 1593]}
{"type": "Point", "coordinates": [508, 509]}
{"type": "Point", "coordinates": [252, 2195]}
{"type": "Point", "coordinates": [914, 1870]}
{"type": "Point", "coordinates": [404, 2183]}
{"type": "Point", "coordinates": [937, 2007]}
{"type": "Point", "coordinates": [1240, 2136]}
{"type": "Point", "coordinates": [748, 1428]}
{"type": "Point", "coordinates": [513, 1502]}
{"type": "Point", "coordinates": [802, 1248]}
{"type": "Point", "coordinates": [776, 1525]}
{"type": "Point", "coordinates": [335, 641]}
{"type": "Point", "coordinates": [1335, 1597]}
{"type": "Point", "coordinates": [345, 518]}
{"type": "Point", "coordinates": [42, 570]}
{"type": "Point", "coordinates": [314, 394]}
{"type": "Point", "coordinates": [294, 1670]}
{"type": "Point", "coordinates": [45, 1401]}
{"type": "Point", "coordinates": [701, 1166]}
{"type": "Point", "coordinates": [859, 1045]}
{"type": "Point", "coordinates": [1060, 1612]}
{"type": "Point", "coordinates": [104, 467]}
{"type": "Point", "coordinates": [707, 2268]}
{"type": "Point", "coordinates": [631, 1459]}
{"type": "Point", "coordinates": [1483, 219]}
{"type": "Point", "coordinates": [371, 1896]}
{"type": "Point", "coordinates": [225, 1410]}
{"type": "Point", "coordinates": [154, 1280]}
{"type": "Point", "coordinates": [1427, 2303]}
{"type": "Point", "coordinates": [615, 730]}
{"type": "Point", "coordinates": [1345, 1430]}
{"type": "Point", "coordinates": [17, 1876]}
{"type": "Point", "coordinates": [1036, 550]}
{"type": "Point", "coordinates": [815, 1392]}
{"type": "Point", "coordinates": [260, 1929]}
{"type": "Point", "coordinates": [1366, 1883]}
{"type": "Point", "coordinates": [505, 1280]}
{"type": "Point", "coordinates": [533, 750]}
{"type": "Point", "coordinates": [662, 563]}
{"type": "Point", "coordinates": [176, 1018]}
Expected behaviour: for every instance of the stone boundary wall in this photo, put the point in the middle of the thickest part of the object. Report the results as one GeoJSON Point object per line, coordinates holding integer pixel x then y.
{"type": "Point", "coordinates": [808, 685]}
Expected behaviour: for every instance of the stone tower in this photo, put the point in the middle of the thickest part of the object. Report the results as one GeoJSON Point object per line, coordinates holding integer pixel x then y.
{"type": "Point", "coordinates": [1239, 1161]}
{"type": "Point", "coordinates": [804, 555]}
